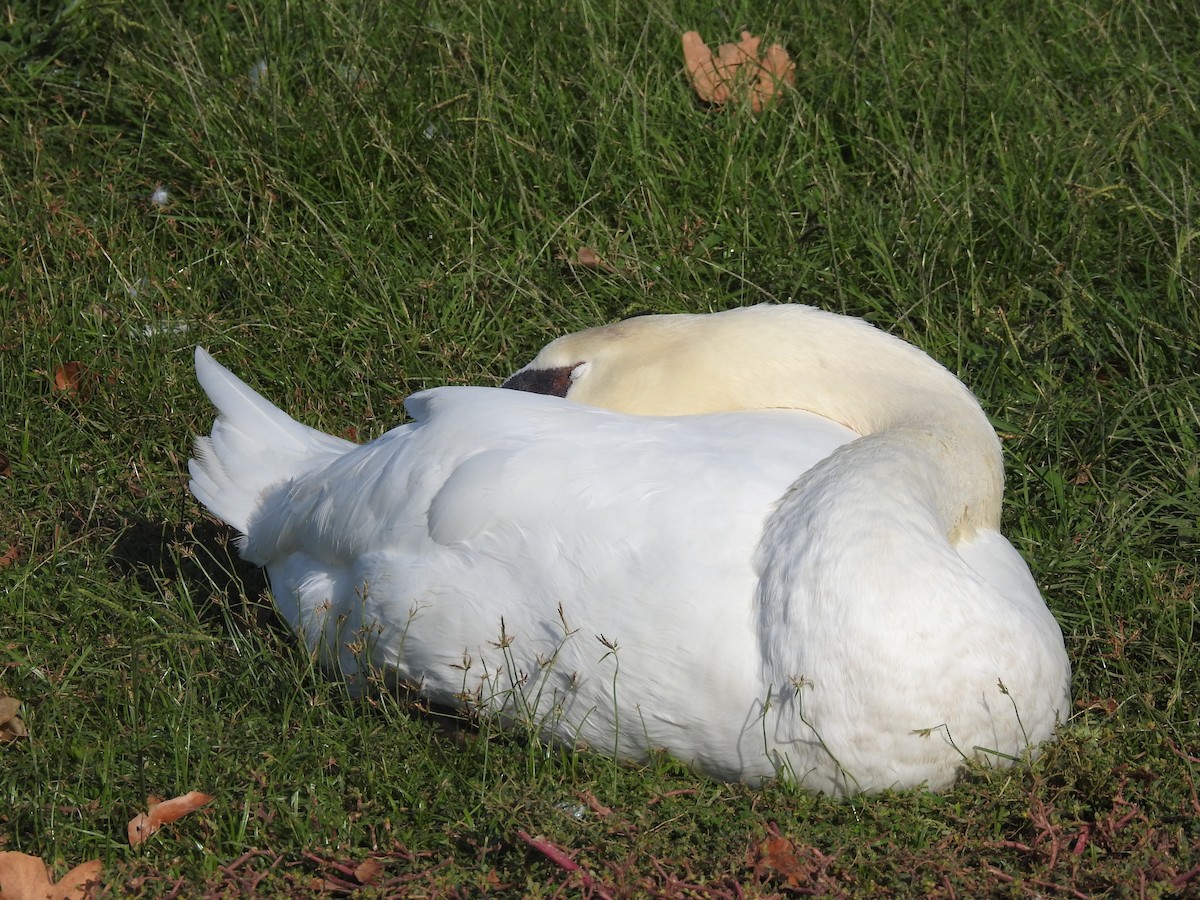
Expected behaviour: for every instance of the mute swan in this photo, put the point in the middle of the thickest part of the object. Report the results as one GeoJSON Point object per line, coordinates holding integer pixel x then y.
{"type": "Point", "coordinates": [765, 540]}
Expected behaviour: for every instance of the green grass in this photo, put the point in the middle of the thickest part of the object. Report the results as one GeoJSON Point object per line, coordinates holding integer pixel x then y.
{"type": "Point", "coordinates": [391, 203]}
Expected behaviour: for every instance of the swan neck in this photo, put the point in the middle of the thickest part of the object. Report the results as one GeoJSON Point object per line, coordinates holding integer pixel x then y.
{"type": "Point", "coordinates": [799, 357]}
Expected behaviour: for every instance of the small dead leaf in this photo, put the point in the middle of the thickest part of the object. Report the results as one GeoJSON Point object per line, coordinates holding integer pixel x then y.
{"type": "Point", "coordinates": [800, 867]}
{"type": "Point", "coordinates": [737, 71]}
{"type": "Point", "coordinates": [702, 69]}
{"type": "Point", "coordinates": [25, 877]}
{"type": "Point", "coordinates": [5, 466]}
{"type": "Point", "coordinates": [11, 729]}
{"type": "Point", "coordinates": [368, 871]}
{"type": "Point", "coordinates": [595, 805]}
{"type": "Point", "coordinates": [10, 556]}
{"type": "Point", "coordinates": [68, 379]}
{"type": "Point", "coordinates": [586, 258]}
{"type": "Point", "coordinates": [161, 813]}
{"type": "Point", "coordinates": [589, 258]}
{"type": "Point", "coordinates": [1107, 705]}
{"type": "Point", "coordinates": [779, 855]}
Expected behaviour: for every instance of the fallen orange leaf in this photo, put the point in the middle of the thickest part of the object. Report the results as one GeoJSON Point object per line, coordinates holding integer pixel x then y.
{"type": "Point", "coordinates": [1108, 704]}
{"type": "Point", "coordinates": [9, 556]}
{"type": "Point", "coordinates": [779, 855]}
{"type": "Point", "coordinates": [5, 467]}
{"type": "Point", "coordinates": [586, 258]}
{"type": "Point", "coordinates": [800, 867]}
{"type": "Point", "coordinates": [737, 71]}
{"type": "Point", "coordinates": [368, 870]}
{"type": "Point", "coordinates": [160, 813]}
{"type": "Point", "coordinates": [11, 728]}
{"type": "Point", "coordinates": [68, 377]}
{"type": "Point", "coordinates": [596, 806]}
{"type": "Point", "coordinates": [25, 877]}
{"type": "Point", "coordinates": [589, 258]}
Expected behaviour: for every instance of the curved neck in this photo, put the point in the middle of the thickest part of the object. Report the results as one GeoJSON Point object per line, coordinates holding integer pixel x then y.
{"type": "Point", "coordinates": [798, 357]}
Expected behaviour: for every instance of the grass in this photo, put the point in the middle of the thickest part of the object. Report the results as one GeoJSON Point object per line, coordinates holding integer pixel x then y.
{"type": "Point", "coordinates": [365, 200]}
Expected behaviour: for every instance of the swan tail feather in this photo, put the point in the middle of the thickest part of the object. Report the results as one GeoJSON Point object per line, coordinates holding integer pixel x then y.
{"type": "Point", "coordinates": [253, 446]}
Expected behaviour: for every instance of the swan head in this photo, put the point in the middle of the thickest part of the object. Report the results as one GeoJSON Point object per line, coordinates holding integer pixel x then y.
{"type": "Point", "coordinates": [660, 364]}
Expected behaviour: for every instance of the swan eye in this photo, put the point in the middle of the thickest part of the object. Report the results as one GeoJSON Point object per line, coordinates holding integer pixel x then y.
{"type": "Point", "coordinates": [556, 381]}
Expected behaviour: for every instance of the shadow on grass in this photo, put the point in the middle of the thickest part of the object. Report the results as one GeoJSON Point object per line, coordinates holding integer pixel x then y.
{"type": "Point", "coordinates": [202, 557]}
{"type": "Point", "coordinates": [229, 593]}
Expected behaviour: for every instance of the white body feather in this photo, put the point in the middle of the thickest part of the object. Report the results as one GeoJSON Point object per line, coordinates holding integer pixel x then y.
{"type": "Point", "coordinates": [757, 592]}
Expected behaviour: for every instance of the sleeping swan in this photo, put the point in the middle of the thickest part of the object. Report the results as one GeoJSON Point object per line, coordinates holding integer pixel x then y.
{"type": "Point", "coordinates": [765, 541]}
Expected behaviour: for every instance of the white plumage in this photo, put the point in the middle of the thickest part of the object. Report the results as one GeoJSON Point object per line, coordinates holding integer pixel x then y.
{"type": "Point", "coordinates": [773, 551]}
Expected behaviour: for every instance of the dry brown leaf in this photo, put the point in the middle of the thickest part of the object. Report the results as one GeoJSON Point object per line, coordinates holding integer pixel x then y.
{"type": "Point", "coordinates": [702, 69]}
{"type": "Point", "coordinates": [11, 726]}
{"type": "Point", "coordinates": [779, 855]}
{"type": "Point", "coordinates": [775, 69]}
{"type": "Point", "coordinates": [161, 813]}
{"type": "Point", "coordinates": [799, 866]}
{"type": "Point", "coordinates": [737, 71]}
{"type": "Point", "coordinates": [368, 871]}
{"type": "Point", "coordinates": [25, 877]}
{"type": "Point", "coordinates": [595, 805]}
{"type": "Point", "coordinates": [5, 466]}
{"type": "Point", "coordinates": [586, 258]}
{"type": "Point", "coordinates": [68, 378]}
{"type": "Point", "coordinates": [1106, 704]}
{"type": "Point", "coordinates": [9, 556]}
{"type": "Point", "coordinates": [589, 258]}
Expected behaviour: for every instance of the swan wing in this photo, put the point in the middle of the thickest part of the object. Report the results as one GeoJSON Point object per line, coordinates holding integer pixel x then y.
{"type": "Point", "coordinates": [517, 550]}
